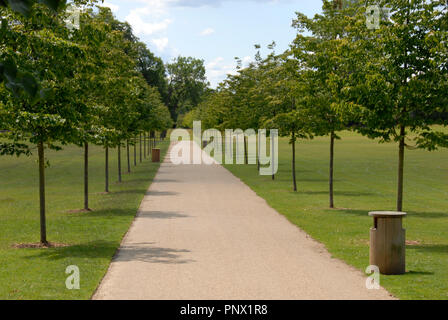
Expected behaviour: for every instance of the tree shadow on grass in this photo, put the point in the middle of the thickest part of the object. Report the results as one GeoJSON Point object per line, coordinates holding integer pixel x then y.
{"type": "Point", "coordinates": [355, 212]}
{"type": "Point", "coordinates": [431, 248]}
{"type": "Point", "coordinates": [434, 215]}
{"type": "Point", "coordinates": [419, 273]}
{"type": "Point", "coordinates": [132, 191]}
{"type": "Point", "coordinates": [143, 252]}
{"type": "Point", "coordinates": [161, 193]}
{"type": "Point", "coordinates": [132, 181]}
{"type": "Point", "coordinates": [110, 212]}
{"type": "Point", "coordinates": [90, 250]}
{"type": "Point", "coordinates": [339, 193]}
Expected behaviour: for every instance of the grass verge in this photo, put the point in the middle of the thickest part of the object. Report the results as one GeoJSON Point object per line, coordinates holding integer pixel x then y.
{"type": "Point", "coordinates": [92, 237]}
{"type": "Point", "coordinates": [365, 180]}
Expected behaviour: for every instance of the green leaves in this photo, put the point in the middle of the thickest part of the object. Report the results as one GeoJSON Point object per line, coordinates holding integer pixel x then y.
{"type": "Point", "coordinates": [20, 82]}
{"type": "Point", "coordinates": [14, 149]}
{"type": "Point", "coordinates": [20, 6]}
{"type": "Point", "coordinates": [53, 4]}
{"type": "Point", "coordinates": [24, 7]}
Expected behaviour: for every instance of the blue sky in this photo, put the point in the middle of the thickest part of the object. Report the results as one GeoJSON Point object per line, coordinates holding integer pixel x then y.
{"type": "Point", "coordinates": [216, 31]}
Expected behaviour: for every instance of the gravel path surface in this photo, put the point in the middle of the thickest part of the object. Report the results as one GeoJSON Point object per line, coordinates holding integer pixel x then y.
{"type": "Point", "coordinates": [203, 234]}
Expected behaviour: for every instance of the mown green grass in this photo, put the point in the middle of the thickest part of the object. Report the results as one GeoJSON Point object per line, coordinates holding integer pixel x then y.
{"type": "Point", "coordinates": [93, 237]}
{"type": "Point", "coordinates": [365, 180]}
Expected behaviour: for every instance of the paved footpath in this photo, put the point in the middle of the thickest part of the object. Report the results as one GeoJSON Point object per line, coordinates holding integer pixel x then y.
{"type": "Point", "coordinates": [203, 234]}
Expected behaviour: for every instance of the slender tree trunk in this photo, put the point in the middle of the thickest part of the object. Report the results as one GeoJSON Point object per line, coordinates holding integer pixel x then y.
{"type": "Point", "coordinates": [258, 153]}
{"type": "Point", "coordinates": [86, 176]}
{"type": "Point", "coordinates": [128, 156]}
{"type": "Point", "coordinates": [332, 139]}
{"type": "Point", "coordinates": [107, 170]}
{"type": "Point", "coordinates": [294, 162]}
{"type": "Point", "coordinates": [119, 162]}
{"type": "Point", "coordinates": [401, 169]}
{"type": "Point", "coordinates": [43, 226]}
{"type": "Point", "coordinates": [272, 155]}
{"type": "Point", "coordinates": [135, 151]}
{"type": "Point", "coordinates": [144, 144]}
{"type": "Point", "coordinates": [141, 159]}
{"type": "Point", "coordinates": [246, 157]}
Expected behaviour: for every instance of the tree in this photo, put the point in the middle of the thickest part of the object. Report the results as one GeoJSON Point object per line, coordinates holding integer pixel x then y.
{"type": "Point", "coordinates": [187, 85]}
{"type": "Point", "coordinates": [152, 69]}
{"type": "Point", "coordinates": [281, 85]}
{"type": "Point", "coordinates": [400, 88]}
{"type": "Point", "coordinates": [43, 41]}
{"type": "Point", "coordinates": [16, 80]}
{"type": "Point", "coordinates": [320, 49]}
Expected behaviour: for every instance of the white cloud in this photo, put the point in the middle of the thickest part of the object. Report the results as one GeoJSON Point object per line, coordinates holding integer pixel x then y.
{"type": "Point", "coordinates": [160, 44]}
{"type": "Point", "coordinates": [218, 69]}
{"type": "Point", "coordinates": [112, 6]}
{"type": "Point", "coordinates": [143, 22]}
{"type": "Point", "coordinates": [246, 61]}
{"type": "Point", "coordinates": [207, 32]}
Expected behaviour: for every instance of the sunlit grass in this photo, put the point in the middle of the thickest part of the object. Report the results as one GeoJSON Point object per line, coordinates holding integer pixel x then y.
{"type": "Point", "coordinates": [92, 237]}
{"type": "Point", "coordinates": [365, 180]}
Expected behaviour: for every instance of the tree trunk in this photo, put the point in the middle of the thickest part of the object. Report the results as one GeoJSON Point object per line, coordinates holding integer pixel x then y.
{"type": "Point", "coordinates": [43, 226]}
{"type": "Point", "coordinates": [144, 144]}
{"type": "Point", "coordinates": [401, 170]}
{"type": "Point", "coordinates": [258, 153]}
{"type": "Point", "coordinates": [107, 170]}
{"type": "Point", "coordinates": [294, 162]}
{"type": "Point", "coordinates": [128, 156]}
{"type": "Point", "coordinates": [86, 176]}
{"type": "Point", "coordinates": [246, 157]}
{"type": "Point", "coordinates": [135, 151]}
{"type": "Point", "coordinates": [332, 139]}
{"type": "Point", "coordinates": [119, 162]}
{"type": "Point", "coordinates": [272, 156]}
{"type": "Point", "coordinates": [141, 159]}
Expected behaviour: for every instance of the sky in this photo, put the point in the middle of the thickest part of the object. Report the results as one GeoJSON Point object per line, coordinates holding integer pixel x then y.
{"type": "Point", "coordinates": [215, 31]}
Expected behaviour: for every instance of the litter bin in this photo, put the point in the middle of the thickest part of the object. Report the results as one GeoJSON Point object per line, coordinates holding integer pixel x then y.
{"type": "Point", "coordinates": [155, 155]}
{"type": "Point", "coordinates": [388, 242]}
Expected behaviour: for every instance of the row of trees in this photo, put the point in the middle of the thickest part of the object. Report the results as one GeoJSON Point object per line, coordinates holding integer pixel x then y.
{"type": "Point", "coordinates": [389, 83]}
{"type": "Point", "coordinates": [94, 85]}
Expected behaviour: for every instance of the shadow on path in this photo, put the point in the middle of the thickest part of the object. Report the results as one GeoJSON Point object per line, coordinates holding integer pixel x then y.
{"type": "Point", "coordinates": [142, 252]}
{"type": "Point", "coordinates": [161, 215]}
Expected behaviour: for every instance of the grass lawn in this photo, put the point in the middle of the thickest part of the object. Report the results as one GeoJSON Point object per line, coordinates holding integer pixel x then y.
{"type": "Point", "coordinates": [365, 180]}
{"type": "Point", "coordinates": [93, 237]}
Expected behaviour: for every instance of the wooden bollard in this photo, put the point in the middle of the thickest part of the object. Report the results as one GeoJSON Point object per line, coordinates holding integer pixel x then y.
{"type": "Point", "coordinates": [388, 242]}
{"type": "Point", "coordinates": [155, 155]}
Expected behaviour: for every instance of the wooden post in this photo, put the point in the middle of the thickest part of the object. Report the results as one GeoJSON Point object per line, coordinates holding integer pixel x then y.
{"type": "Point", "coordinates": [155, 155]}
{"type": "Point", "coordinates": [388, 242]}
